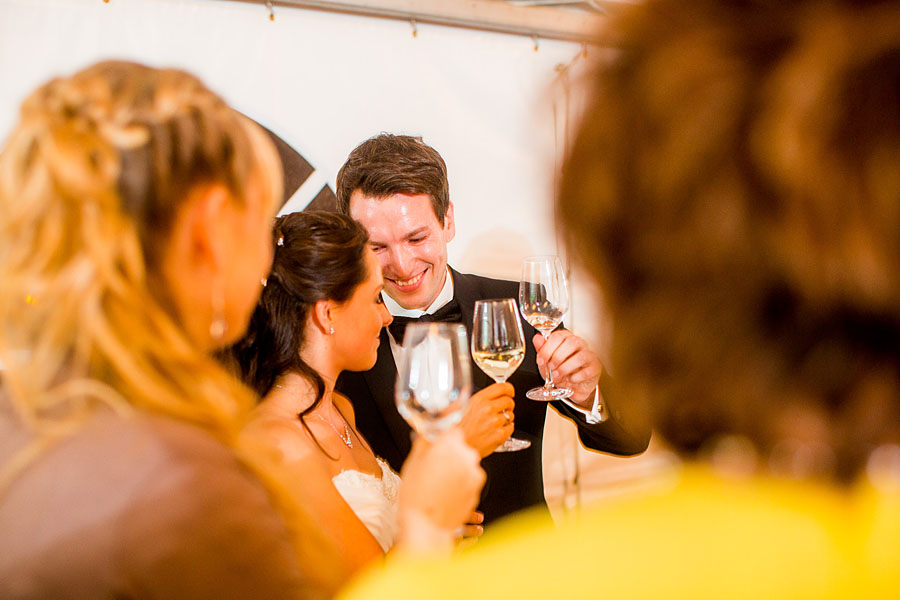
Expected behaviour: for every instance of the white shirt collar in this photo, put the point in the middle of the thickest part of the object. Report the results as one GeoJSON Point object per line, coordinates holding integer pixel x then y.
{"type": "Point", "coordinates": [445, 296]}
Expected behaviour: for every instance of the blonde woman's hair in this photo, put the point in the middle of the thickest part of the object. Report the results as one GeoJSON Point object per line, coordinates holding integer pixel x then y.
{"type": "Point", "coordinates": [90, 181]}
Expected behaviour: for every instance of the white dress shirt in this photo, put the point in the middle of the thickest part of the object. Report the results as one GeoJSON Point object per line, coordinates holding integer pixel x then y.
{"type": "Point", "coordinates": [445, 296]}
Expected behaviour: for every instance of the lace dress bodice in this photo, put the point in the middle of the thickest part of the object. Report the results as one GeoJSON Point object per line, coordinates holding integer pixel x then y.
{"type": "Point", "coordinates": [373, 500]}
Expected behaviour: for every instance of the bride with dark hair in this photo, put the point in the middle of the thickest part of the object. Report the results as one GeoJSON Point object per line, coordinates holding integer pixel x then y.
{"type": "Point", "coordinates": [321, 313]}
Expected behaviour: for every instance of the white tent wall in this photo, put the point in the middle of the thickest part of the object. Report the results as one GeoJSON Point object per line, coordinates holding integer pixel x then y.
{"type": "Point", "coordinates": [325, 81]}
{"type": "Point", "coordinates": [490, 103]}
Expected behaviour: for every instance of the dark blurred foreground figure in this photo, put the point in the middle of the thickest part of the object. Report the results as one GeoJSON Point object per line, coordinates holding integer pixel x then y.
{"type": "Point", "coordinates": [135, 224]}
{"type": "Point", "coordinates": [734, 190]}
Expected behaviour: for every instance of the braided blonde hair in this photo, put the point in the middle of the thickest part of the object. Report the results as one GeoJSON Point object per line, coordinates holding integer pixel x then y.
{"type": "Point", "coordinates": [90, 181]}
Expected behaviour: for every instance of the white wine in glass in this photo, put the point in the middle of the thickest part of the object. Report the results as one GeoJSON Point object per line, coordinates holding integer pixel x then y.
{"type": "Point", "coordinates": [544, 300]}
{"type": "Point", "coordinates": [499, 365]}
{"type": "Point", "coordinates": [498, 348]}
{"type": "Point", "coordinates": [434, 379]}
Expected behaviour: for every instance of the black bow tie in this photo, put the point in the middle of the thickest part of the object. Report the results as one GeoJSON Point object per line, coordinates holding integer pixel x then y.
{"type": "Point", "coordinates": [449, 313]}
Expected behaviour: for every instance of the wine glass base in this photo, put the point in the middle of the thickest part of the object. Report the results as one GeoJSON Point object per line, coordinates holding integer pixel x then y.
{"type": "Point", "coordinates": [513, 445]}
{"type": "Point", "coordinates": [548, 394]}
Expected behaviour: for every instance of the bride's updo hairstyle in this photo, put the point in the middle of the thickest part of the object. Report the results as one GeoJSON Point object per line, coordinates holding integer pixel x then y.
{"type": "Point", "coordinates": [317, 256]}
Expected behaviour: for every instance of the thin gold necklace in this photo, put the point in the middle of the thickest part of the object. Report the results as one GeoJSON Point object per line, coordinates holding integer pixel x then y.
{"type": "Point", "coordinates": [345, 437]}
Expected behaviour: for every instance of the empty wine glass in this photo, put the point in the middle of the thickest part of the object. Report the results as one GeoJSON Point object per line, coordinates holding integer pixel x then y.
{"type": "Point", "coordinates": [544, 301]}
{"type": "Point", "coordinates": [498, 348]}
{"type": "Point", "coordinates": [434, 381]}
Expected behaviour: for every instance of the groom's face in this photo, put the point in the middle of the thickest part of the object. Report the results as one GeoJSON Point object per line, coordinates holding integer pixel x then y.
{"type": "Point", "coordinates": [410, 243]}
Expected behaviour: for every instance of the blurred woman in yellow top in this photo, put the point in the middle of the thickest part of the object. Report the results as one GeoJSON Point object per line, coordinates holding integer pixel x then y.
{"type": "Point", "coordinates": [734, 190]}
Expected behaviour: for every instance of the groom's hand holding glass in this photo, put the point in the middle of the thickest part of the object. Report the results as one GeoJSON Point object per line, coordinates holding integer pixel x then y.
{"type": "Point", "coordinates": [573, 364]}
{"type": "Point", "coordinates": [570, 370]}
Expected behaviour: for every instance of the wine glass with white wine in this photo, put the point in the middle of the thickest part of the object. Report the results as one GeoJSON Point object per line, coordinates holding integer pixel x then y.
{"type": "Point", "coordinates": [544, 301]}
{"type": "Point", "coordinates": [498, 348]}
{"type": "Point", "coordinates": [434, 379]}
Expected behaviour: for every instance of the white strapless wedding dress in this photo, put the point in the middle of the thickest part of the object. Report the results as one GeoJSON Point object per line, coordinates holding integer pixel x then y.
{"type": "Point", "coordinates": [373, 500]}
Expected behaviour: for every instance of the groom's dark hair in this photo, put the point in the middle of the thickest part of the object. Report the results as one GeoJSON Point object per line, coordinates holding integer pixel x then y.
{"type": "Point", "coordinates": [389, 164]}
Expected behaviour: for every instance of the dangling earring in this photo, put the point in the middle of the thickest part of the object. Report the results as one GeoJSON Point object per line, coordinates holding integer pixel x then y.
{"type": "Point", "coordinates": [218, 326]}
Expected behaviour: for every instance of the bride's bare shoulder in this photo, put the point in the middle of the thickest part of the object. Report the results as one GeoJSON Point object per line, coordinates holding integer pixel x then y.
{"type": "Point", "coordinates": [286, 436]}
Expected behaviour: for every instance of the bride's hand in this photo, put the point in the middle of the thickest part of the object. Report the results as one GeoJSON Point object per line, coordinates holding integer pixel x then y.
{"type": "Point", "coordinates": [442, 482]}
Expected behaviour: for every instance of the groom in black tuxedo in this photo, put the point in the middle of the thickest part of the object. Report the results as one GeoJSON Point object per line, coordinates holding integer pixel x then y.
{"type": "Point", "coordinates": [396, 186]}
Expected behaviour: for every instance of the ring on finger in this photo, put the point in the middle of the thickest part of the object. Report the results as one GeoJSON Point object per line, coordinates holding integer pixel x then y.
{"type": "Point", "coordinates": [507, 417]}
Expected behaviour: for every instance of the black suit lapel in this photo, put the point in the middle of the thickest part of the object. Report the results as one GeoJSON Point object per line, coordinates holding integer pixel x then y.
{"type": "Point", "coordinates": [381, 379]}
{"type": "Point", "coordinates": [466, 293]}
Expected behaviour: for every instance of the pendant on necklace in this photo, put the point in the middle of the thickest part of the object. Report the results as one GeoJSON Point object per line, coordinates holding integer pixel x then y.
{"type": "Point", "coordinates": [345, 437]}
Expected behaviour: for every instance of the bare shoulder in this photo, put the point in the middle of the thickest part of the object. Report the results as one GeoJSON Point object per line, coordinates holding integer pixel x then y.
{"type": "Point", "coordinates": [286, 437]}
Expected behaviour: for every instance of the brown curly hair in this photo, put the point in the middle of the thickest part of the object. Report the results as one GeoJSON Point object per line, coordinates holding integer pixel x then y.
{"type": "Point", "coordinates": [734, 189]}
{"type": "Point", "coordinates": [389, 164]}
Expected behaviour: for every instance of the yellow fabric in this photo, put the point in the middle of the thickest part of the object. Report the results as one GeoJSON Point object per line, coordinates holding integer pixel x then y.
{"type": "Point", "coordinates": [703, 538]}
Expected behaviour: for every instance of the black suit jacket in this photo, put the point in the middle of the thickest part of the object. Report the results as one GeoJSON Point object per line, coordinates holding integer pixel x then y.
{"type": "Point", "coordinates": [514, 479]}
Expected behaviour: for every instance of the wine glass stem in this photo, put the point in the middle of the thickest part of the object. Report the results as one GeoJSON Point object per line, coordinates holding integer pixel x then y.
{"type": "Point", "coordinates": [548, 381]}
